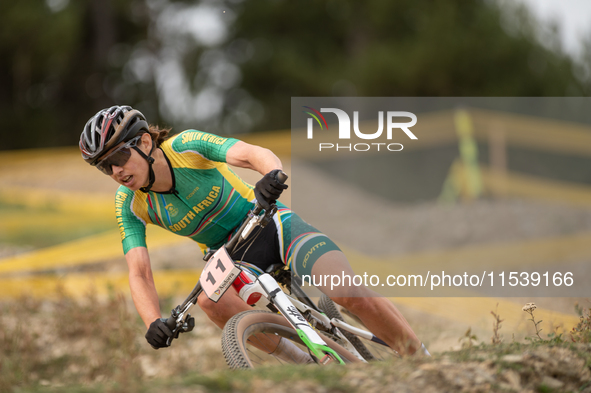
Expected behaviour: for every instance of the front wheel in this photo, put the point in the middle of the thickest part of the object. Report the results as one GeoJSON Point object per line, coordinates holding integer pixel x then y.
{"type": "Point", "coordinates": [254, 338]}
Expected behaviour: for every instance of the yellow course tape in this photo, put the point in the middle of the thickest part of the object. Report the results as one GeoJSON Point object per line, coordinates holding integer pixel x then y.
{"type": "Point", "coordinates": [524, 254]}
{"type": "Point", "coordinates": [471, 311]}
{"type": "Point", "coordinates": [92, 249]}
{"type": "Point", "coordinates": [90, 204]}
{"type": "Point", "coordinates": [472, 308]}
{"type": "Point", "coordinates": [539, 252]}
{"type": "Point", "coordinates": [475, 311]}
{"type": "Point", "coordinates": [436, 129]}
{"type": "Point", "coordinates": [518, 185]}
{"type": "Point", "coordinates": [26, 221]}
{"type": "Point", "coordinates": [534, 132]}
{"type": "Point", "coordinates": [168, 283]}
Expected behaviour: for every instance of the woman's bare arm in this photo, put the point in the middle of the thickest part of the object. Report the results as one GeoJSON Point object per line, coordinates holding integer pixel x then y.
{"type": "Point", "coordinates": [141, 283]}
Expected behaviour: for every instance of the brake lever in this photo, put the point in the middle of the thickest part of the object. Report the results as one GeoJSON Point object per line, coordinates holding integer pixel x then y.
{"type": "Point", "coordinates": [176, 327]}
{"type": "Point", "coordinates": [187, 326]}
{"type": "Point", "coordinates": [268, 216]}
{"type": "Point", "coordinates": [256, 219]}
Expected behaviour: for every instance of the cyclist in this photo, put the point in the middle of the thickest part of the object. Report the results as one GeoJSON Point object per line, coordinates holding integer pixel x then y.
{"type": "Point", "coordinates": [183, 184]}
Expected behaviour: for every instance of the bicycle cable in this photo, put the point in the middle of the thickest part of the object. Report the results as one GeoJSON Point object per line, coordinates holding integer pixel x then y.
{"type": "Point", "coordinates": [250, 243]}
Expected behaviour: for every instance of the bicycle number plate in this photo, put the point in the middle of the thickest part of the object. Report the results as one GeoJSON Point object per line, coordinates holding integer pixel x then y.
{"type": "Point", "coordinates": [218, 275]}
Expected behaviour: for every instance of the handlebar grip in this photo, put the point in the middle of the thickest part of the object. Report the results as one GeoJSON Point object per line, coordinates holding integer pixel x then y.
{"type": "Point", "coordinates": [171, 323]}
{"type": "Point", "coordinates": [281, 177]}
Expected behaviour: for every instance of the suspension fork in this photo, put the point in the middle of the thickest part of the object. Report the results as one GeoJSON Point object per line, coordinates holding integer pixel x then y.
{"type": "Point", "coordinates": [268, 287]}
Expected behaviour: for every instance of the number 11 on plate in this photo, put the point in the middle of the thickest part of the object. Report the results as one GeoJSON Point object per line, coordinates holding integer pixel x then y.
{"type": "Point", "coordinates": [218, 275]}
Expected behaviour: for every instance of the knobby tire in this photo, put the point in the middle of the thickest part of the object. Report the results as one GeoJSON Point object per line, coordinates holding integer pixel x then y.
{"type": "Point", "coordinates": [239, 354]}
{"type": "Point", "coordinates": [331, 311]}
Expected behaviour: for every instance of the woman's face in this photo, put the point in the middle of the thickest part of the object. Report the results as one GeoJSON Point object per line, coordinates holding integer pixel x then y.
{"type": "Point", "coordinates": [134, 173]}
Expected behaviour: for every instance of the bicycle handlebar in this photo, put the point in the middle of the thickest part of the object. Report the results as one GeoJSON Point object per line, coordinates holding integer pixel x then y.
{"type": "Point", "coordinates": [171, 323]}
{"type": "Point", "coordinates": [281, 177]}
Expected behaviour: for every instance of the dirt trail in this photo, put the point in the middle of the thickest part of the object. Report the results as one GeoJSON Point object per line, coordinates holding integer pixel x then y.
{"type": "Point", "coordinates": [353, 217]}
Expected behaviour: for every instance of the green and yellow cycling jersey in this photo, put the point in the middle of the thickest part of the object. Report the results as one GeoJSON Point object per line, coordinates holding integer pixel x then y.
{"type": "Point", "coordinates": [206, 202]}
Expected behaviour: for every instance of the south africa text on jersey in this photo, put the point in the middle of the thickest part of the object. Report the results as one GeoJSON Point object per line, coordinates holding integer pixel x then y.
{"type": "Point", "coordinates": [203, 136]}
{"type": "Point", "coordinates": [120, 197]}
{"type": "Point", "coordinates": [186, 220]}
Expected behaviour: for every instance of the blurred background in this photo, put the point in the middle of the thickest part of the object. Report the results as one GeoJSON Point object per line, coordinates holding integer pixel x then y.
{"type": "Point", "coordinates": [512, 187]}
{"type": "Point", "coordinates": [231, 66]}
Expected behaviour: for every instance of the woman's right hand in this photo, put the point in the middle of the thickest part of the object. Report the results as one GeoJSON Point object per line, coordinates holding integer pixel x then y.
{"type": "Point", "coordinates": [268, 189]}
{"type": "Point", "coordinates": [158, 334]}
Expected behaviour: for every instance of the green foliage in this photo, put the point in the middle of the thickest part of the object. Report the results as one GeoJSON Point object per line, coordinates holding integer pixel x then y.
{"type": "Point", "coordinates": [401, 48]}
{"type": "Point", "coordinates": [60, 65]}
{"type": "Point", "coordinates": [468, 339]}
{"type": "Point", "coordinates": [555, 338]}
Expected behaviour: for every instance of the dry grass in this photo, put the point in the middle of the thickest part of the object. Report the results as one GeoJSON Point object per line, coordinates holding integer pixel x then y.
{"type": "Point", "coordinates": [92, 341]}
{"type": "Point", "coordinates": [68, 341]}
{"type": "Point", "coordinates": [496, 337]}
{"type": "Point", "coordinates": [96, 345]}
{"type": "Point", "coordinates": [582, 332]}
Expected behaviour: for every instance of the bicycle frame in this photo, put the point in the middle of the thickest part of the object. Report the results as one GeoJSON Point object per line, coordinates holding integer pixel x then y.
{"type": "Point", "coordinates": [319, 319]}
{"type": "Point", "coordinates": [265, 285]}
{"type": "Point", "coordinates": [268, 288]}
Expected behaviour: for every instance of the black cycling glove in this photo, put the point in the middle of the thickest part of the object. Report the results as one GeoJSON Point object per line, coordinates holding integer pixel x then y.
{"type": "Point", "coordinates": [268, 189]}
{"type": "Point", "coordinates": [158, 334]}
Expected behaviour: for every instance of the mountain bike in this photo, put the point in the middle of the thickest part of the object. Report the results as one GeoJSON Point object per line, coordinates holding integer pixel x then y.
{"type": "Point", "coordinates": [293, 329]}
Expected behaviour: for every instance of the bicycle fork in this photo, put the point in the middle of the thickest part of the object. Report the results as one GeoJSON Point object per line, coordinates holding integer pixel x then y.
{"type": "Point", "coordinates": [268, 287]}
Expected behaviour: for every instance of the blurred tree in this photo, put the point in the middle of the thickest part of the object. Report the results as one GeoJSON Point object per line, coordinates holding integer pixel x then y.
{"type": "Point", "coordinates": [63, 60]}
{"type": "Point", "coordinates": [395, 48]}
{"type": "Point", "coordinates": [231, 66]}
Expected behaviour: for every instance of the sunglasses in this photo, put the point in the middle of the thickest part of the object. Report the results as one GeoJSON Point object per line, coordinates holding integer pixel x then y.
{"type": "Point", "coordinates": [117, 157]}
